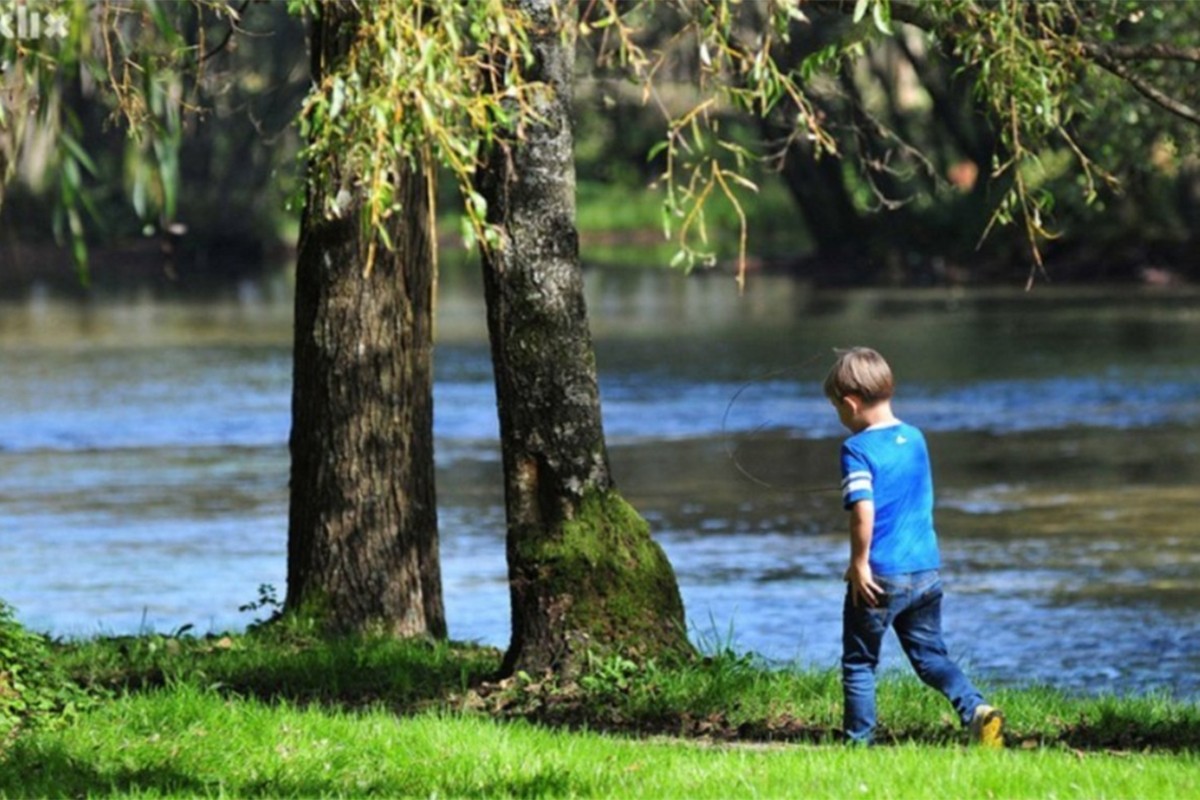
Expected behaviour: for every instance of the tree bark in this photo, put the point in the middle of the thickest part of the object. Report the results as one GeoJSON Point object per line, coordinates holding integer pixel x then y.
{"type": "Point", "coordinates": [362, 521]}
{"type": "Point", "coordinates": [584, 574]}
{"type": "Point", "coordinates": [816, 183]}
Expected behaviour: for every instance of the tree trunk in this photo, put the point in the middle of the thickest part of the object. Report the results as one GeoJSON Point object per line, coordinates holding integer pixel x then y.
{"type": "Point", "coordinates": [584, 573]}
{"type": "Point", "coordinates": [818, 185]}
{"type": "Point", "coordinates": [362, 522]}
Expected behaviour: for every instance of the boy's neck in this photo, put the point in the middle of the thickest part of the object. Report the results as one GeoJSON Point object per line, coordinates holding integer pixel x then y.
{"type": "Point", "coordinates": [879, 413]}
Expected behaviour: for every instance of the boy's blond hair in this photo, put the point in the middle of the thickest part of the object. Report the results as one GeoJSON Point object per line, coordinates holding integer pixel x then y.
{"type": "Point", "coordinates": [860, 371]}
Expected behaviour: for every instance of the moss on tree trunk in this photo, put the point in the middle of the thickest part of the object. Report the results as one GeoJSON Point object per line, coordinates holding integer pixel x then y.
{"type": "Point", "coordinates": [598, 584]}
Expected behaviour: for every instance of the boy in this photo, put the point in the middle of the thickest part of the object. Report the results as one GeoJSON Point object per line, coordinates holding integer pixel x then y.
{"type": "Point", "coordinates": [887, 486]}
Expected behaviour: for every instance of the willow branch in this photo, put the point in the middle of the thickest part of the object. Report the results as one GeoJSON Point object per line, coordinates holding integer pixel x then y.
{"type": "Point", "coordinates": [1150, 92]}
{"type": "Point", "coordinates": [1143, 52]}
{"type": "Point", "coordinates": [221, 45]}
{"type": "Point", "coordinates": [1109, 57]}
{"type": "Point", "coordinates": [919, 17]}
{"type": "Point", "coordinates": [909, 13]}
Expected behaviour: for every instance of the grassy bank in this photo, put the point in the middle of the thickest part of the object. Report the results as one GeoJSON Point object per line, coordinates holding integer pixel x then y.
{"type": "Point", "coordinates": [282, 715]}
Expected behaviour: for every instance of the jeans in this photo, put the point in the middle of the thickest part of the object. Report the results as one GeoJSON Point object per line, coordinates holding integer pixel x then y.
{"type": "Point", "coordinates": [912, 604]}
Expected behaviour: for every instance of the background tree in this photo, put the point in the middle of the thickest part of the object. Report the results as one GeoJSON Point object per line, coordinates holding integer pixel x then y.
{"type": "Point", "coordinates": [907, 111]}
{"type": "Point", "coordinates": [1056, 76]}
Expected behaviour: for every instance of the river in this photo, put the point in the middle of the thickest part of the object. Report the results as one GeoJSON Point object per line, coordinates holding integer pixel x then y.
{"type": "Point", "coordinates": [143, 463]}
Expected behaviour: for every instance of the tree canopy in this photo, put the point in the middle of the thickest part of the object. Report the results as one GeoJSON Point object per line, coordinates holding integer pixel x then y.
{"type": "Point", "coordinates": [1080, 100]}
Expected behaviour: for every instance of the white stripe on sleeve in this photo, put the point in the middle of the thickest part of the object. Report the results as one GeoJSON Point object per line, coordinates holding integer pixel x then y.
{"type": "Point", "coordinates": [856, 476]}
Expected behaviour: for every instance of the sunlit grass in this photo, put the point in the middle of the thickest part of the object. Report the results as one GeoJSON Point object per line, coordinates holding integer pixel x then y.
{"type": "Point", "coordinates": [185, 741]}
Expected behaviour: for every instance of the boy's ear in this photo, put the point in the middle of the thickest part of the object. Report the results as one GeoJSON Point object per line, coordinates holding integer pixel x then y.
{"type": "Point", "coordinates": [855, 402]}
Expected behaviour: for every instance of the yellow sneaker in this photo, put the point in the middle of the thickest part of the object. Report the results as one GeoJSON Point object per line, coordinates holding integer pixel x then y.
{"type": "Point", "coordinates": [987, 727]}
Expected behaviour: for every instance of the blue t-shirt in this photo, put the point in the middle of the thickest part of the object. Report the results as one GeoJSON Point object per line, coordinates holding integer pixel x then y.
{"type": "Point", "coordinates": [889, 465]}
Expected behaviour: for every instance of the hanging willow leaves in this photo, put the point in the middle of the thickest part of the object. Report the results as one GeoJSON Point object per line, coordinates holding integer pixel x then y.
{"type": "Point", "coordinates": [416, 85]}
{"type": "Point", "coordinates": [131, 57]}
{"type": "Point", "coordinates": [446, 82]}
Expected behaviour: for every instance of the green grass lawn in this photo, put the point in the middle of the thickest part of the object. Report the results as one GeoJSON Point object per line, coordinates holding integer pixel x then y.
{"type": "Point", "coordinates": [184, 741]}
{"type": "Point", "coordinates": [284, 715]}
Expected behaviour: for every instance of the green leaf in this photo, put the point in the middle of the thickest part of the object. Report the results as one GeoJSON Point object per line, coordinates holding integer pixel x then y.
{"type": "Point", "coordinates": [882, 14]}
{"type": "Point", "coordinates": [338, 99]}
{"type": "Point", "coordinates": [79, 255]}
{"type": "Point", "coordinates": [477, 205]}
{"type": "Point", "coordinates": [467, 230]}
{"type": "Point", "coordinates": [76, 152]}
{"type": "Point", "coordinates": [302, 7]}
{"type": "Point", "coordinates": [385, 237]}
{"type": "Point", "coordinates": [166, 152]}
{"type": "Point", "coordinates": [741, 180]}
{"type": "Point", "coordinates": [137, 194]}
{"type": "Point", "coordinates": [860, 10]}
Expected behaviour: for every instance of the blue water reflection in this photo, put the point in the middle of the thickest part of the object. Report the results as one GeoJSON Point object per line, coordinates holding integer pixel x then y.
{"type": "Point", "coordinates": [143, 465]}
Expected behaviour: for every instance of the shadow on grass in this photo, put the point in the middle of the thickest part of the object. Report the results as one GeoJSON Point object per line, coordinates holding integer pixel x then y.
{"type": "Point", "coordinates": [406, 678]}
{"type": "Point", "coordinates": [404, 675]}
{"type": "Point", "coordinates": [1129, 731]}
{"type": "Point", "coordinates": [53, 772]}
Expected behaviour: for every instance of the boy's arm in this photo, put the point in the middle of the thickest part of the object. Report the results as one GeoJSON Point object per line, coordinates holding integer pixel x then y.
{"type": "Point", "coordinates": [862, 583]}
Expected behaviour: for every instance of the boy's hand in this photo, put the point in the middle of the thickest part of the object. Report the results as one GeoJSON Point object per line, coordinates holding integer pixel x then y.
{"type": "Point", "coordinates": [862, 584]}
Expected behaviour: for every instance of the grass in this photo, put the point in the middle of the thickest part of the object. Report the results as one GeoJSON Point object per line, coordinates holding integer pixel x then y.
{"type": "Point", "coordinates": [186, 741]}
{"type": "Point", "coordinates": [280, 714]}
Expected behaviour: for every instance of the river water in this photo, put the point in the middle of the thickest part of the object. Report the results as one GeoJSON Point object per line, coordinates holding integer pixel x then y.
{"type": "Point", "coordinates": [143, 463]}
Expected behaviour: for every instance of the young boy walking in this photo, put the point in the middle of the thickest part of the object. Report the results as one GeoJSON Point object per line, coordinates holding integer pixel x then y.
{"type": "Point", "coordinates": [887, 486]}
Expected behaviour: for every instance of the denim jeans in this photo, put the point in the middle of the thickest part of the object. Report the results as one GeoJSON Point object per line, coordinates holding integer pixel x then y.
{"type": "Point", "coordinates": [912, 604]}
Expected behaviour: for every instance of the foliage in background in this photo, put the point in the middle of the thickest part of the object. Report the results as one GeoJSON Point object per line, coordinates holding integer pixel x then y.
{"type": "Point", "coordinates": [138, 118]}
{"type": "Point", "coordinates": [949, 119]}
{"type": "Point", "coordinates": [427, 83]}
{"type": "Point", "coordinates": [34, 686]}
{"type": "Point", "coordinates": [1036, 67]}
{"type": "Point", "coordinates": [952, 120]}
{"type": "Point", "coordinates": [702, 72]}
{"type": "Point", "coordinates": [732, 67]}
